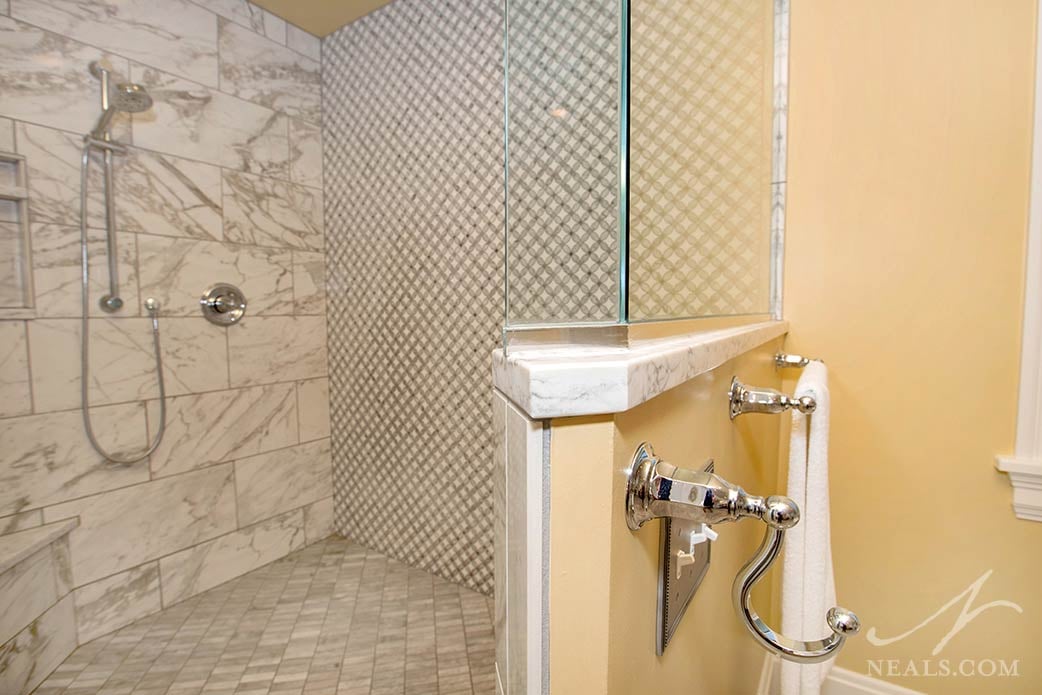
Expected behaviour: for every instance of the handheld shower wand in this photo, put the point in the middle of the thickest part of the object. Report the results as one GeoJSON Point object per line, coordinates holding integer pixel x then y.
{"type": "Point", "coordinates": [126, 98]}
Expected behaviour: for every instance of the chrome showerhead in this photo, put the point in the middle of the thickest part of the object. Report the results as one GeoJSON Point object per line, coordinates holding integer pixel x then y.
{"type": "Point", "coordinates": [126, 97]}
{"type": "Point", "coordinates": [130, 98]}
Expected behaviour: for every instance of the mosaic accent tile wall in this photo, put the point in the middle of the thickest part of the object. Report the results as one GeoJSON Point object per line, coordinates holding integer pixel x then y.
{"type": "Point", "coordinates": [414, 224]}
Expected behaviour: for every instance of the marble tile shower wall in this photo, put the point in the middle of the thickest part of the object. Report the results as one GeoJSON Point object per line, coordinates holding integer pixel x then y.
{"type": "Point", "coordinates": [223, 183]}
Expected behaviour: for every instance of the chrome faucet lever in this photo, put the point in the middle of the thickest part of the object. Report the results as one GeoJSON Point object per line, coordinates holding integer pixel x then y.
{"type": "Point", "coordinates": [750, 399]}
{"type": "Point", "coordinates": [658, 489]}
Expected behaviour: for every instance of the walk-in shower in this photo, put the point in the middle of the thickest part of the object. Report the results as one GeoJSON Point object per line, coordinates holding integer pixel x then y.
{"type": "Point", "coordinates": [120, 98]}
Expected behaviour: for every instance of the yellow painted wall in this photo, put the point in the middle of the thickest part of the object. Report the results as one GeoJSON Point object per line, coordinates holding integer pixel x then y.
{"type": "Point", "coordinates": [910, 135]}
{"type": "Point", "coordinates": [603, 577]}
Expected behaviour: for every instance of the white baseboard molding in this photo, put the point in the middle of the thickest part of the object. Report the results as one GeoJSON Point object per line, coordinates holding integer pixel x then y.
{"type": "Point", "coordinates": [840, 681]}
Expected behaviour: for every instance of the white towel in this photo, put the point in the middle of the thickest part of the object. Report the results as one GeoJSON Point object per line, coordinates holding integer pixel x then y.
{"type": "Point", "coordinates": [808, 586]}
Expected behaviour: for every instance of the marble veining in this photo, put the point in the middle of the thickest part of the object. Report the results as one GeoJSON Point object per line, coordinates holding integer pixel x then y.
{"type": "Point", "coordinates": [193, 121]}
{"type": "Point", "coordinates": [305, 153]}
{"type": "Point", "coordinates": [168, 196]}
{"type": "Point", "coordinates": [45, 78]}
{"type": "Point", "coordinates": [309, 283]}
{"type": "Point", "coordinates": [16, 547]}
{"type": "Point", "coordinates": [57, 271]}
{"type": "Point", "coordinates": [563, 381]}
{"type": "Point", "coordinates": [318, 520]}
{"type": "Point", "coordinates": [122, 360]}
{"type": "Point", "coordinates": [109, 604]}
{"type": "Point", "coordinates": [15, 398]}
{"type": "Point", "coordinates": [178, 271]}
{"type": "Point", "coordinates": [269, 212]}
{"type": "Point", "coordinates": [124, 528]}
{"type": "Point", "coordinates": [173, 35]}
{"type": "Point", "coordinates": [277, 348]}
{"type": "Point", "coordinates": [282, 480]}
{"type": "Point", "coordinates": [48, 459]}
{"type": "Point", "coordinates": [11, 523]}
{"type": "Point", "coordinates": [256, 69]}
{"type": "Point", "coordinates": [203, 429]}
{"type": "Point", "coordinates": [27, 590]}
{"type": "Point", "coordinates": [53, 168]}
{"type": "Point", "coordinates": [27, 658]}
{"type": "Point", "coordinates": [214, 562]}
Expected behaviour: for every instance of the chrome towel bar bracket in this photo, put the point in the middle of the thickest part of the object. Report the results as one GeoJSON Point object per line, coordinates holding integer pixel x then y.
{"type": "Point", "coordinates": [657, 489]}
{"type": "Point", "coordinates": [744, 399]}
{"type": "Point", "coordinates": [783, 360]}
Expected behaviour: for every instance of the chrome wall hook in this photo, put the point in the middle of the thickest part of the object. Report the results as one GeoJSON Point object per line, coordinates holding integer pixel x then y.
{"type": "Point", "coordinates": [750, 399]}
{"type": "Point", "coordinates": [657, 489]}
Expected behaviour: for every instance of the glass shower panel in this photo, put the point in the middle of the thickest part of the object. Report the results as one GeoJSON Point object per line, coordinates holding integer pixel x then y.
{"type": "Point", "coordinates": [562, 61]}
{"type": "Point", "coordinates": [701, 113]}
{"type": "Point", "coordinates": [644, 159]}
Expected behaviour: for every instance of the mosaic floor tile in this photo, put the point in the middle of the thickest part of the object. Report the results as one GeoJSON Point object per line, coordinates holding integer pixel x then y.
{"type": "Point", "coordinates": [331, 619]}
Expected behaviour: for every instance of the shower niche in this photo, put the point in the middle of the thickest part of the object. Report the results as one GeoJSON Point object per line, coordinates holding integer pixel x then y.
{"type": "Point", "coordinates": [645, 164]}
{"type": "Point", "coordinates": [16, 283]}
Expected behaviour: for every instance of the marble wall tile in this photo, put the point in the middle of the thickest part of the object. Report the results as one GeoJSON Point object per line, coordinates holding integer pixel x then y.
{"type": "Point", "coordinates": [52, 161]}
{"type": "Point", "coordinates": [178, 271]}
{"type": "Point", "coordinates": [168, 196]}
{"type": "Point", "coordinates": [193, 358]}
{"type": "Point", "coordinates": [318, 520]}
{"type": "Point", "coordinates": [122, 360]}
{"type": "Point", "coordinates": [499, 530]}
{"type": "Point", "coordinates": [12, 281]}
{"type": "Point", "coordinates": [62, 559]}
{"type": "Point", "coordinates": [309, 283]}
{"type": "Point", "coordinates": [257, 69]}
{"type": "Point", "coordinates": [46, 80]}
{"type": "Point", "coordinates": [282, 480]}
{"type": "Point", "coordinates": [239, 11]}
{"type": "Point", "coordinates": [15, 398]}
{"type": "Point", "coordinates": [109, 604]}
{"type": "Point", "coordinates": [193, 121]}
{"type": "Point", "coordinates": [313, 408]}
{"type": "Point", "coordinates": [304, 42]}
{"type": "Point", "coordinates": [305, 153]}
{"type": "Point", "coordinates": [124, 528]}
{"type": "Point", "coordinates": [58, 274]}
{"type": "Point", "coordinates": [27, 590]}
{"type": "Point", "coordinates": [20, 521]}
{"type": "Point", "coordinates": [173, 35]}
{"type": "Point", "coordinates": [277, 348]}
{"type": "Point", "coordinates": [48, 458]}
{"type": "Point", "coordinates": [524, 560]}
{"type": "Point", "coordinates": [28, 658]}
{"type": "Point", "coordinates": [209, 428]}
{"type": "Point", "coordinates": [6, 135]}
{"type": "Point", "coordinates": [214, 562]}
{"type": "Point", "coordinates": [5, 7]}
{"type": "Point", "coordinates": [269, 212]}
{"type": "Point", "coordinates": [275, 27]}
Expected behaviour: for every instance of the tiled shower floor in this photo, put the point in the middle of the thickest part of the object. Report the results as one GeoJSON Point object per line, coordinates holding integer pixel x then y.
{"type": "Point", "coordinates": [332, 618]}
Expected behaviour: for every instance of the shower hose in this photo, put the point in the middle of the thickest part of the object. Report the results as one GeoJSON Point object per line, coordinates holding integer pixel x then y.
{"type": "Point", "coordinates": [153, 311]}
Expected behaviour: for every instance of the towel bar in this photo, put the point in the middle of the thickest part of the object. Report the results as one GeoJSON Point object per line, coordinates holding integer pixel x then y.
{"type": "Point", "coordinates": [744, 399]}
